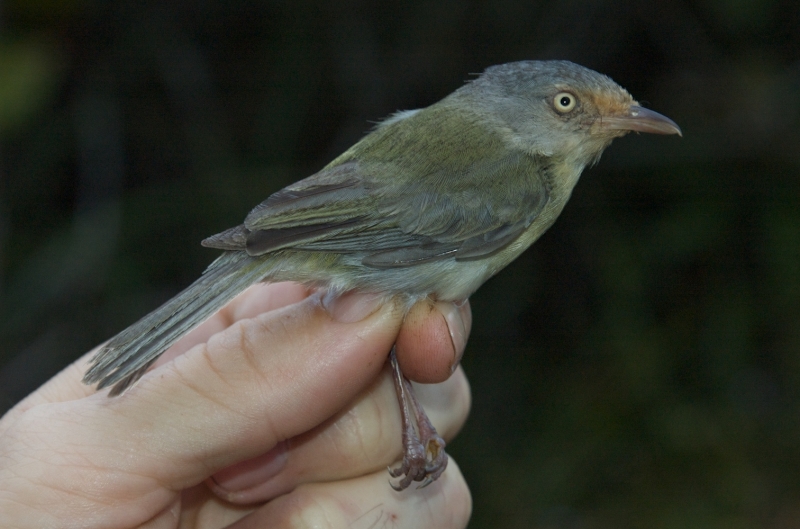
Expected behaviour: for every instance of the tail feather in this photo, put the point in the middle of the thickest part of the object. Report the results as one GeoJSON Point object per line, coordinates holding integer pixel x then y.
{"type": "Point", "coordinates": [126, 357]}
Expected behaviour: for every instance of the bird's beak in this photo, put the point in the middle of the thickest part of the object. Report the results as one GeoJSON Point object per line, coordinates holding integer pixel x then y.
{"type": "Point", "coordinates": [641, 120]}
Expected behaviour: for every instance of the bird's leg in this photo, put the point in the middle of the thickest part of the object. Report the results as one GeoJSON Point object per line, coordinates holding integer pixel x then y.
{"type": "Point", "coordinates": [424, 458]}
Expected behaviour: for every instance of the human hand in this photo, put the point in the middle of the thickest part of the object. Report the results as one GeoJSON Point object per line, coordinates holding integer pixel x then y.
{"type": "Point", "coordinates": [280, 413]}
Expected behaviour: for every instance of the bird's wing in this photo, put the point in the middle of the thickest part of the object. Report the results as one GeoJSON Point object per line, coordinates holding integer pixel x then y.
{"type": "Point", "coordinates": [394, 221]}
{"type": "Point", "coordinates": [466, 213]}
{"type": "Point", "coordinates": [324, 206]}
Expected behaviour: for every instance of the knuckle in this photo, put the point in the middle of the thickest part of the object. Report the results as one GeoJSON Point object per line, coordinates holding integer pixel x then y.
{"type": "Point", "coordinates": [307, 511]}
{"type": "Point", "coordinates": [458, 502]}
{"type": "Point", "coordinates": [366, 433]}
{"type": "Point", "coordinates": [462, 401]}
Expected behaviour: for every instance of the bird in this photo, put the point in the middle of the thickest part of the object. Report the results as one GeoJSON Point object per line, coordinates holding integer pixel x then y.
{"type": "Point", "coordinates": [430, 204]}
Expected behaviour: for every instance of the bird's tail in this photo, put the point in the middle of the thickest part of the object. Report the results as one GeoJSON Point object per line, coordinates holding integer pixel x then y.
{"type": "Point", "coordinates": [126, 357]}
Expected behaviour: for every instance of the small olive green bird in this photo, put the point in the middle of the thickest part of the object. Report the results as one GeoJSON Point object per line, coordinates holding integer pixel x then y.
{"type": "Point", "coordinates": [433, 202]}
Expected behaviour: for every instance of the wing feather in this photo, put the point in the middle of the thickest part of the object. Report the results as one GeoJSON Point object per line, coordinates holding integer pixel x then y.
{"type": "Point", "coordinates": [395, 213]}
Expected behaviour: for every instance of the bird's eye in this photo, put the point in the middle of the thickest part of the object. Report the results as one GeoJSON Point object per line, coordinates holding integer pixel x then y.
{"type": "Point", "coordinates": [564, 102]}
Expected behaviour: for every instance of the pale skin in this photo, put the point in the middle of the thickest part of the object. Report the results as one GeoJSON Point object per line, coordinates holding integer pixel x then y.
{"type": "Point", "coordinates": [277, 412]}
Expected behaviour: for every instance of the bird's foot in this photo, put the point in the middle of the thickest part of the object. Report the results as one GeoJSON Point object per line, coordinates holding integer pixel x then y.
{"type": "Point", "coordinates": [423, 461]}
{"type": "Point", "coordinates": [424, 457]}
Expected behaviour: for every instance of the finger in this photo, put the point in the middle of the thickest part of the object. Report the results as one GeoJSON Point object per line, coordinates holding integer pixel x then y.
{"type": "Point", "coordinates": [200, 508]}
{"type": "Point", "coordinates": [367, 502]}
{"type": "Point", "coordinates": [257, 299]}
{"type": "Point", "coordinates": [359, 440]}
{"type": "Point", "coordinates": [260, 298]}
{"type": "Point", "coordinates": [432, 339]}
{"type": "Point", "coordinates": [261, 381]}
{"type": "Point", "coordinates": [169, 518]}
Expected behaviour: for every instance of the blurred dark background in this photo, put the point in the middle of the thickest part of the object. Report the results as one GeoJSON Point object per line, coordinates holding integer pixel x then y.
{"type": "Point", "coordinates": [638, 367]}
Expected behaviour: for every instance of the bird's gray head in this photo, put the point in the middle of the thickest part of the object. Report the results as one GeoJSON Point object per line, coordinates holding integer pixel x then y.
{"type": "Point", "coordinates": [561, 109]}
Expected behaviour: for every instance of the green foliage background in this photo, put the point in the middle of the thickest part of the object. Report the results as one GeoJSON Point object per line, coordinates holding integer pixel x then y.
{"type": "Point", "coordinates": [638, 367]}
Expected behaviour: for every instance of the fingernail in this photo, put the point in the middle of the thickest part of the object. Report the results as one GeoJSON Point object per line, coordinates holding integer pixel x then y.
{"type": "Point", "coordinates": [459, 319]}
{"type": "Point", "coordinates": [351, 307]}
{"type": "Point", "coordinates": [248, 474]}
